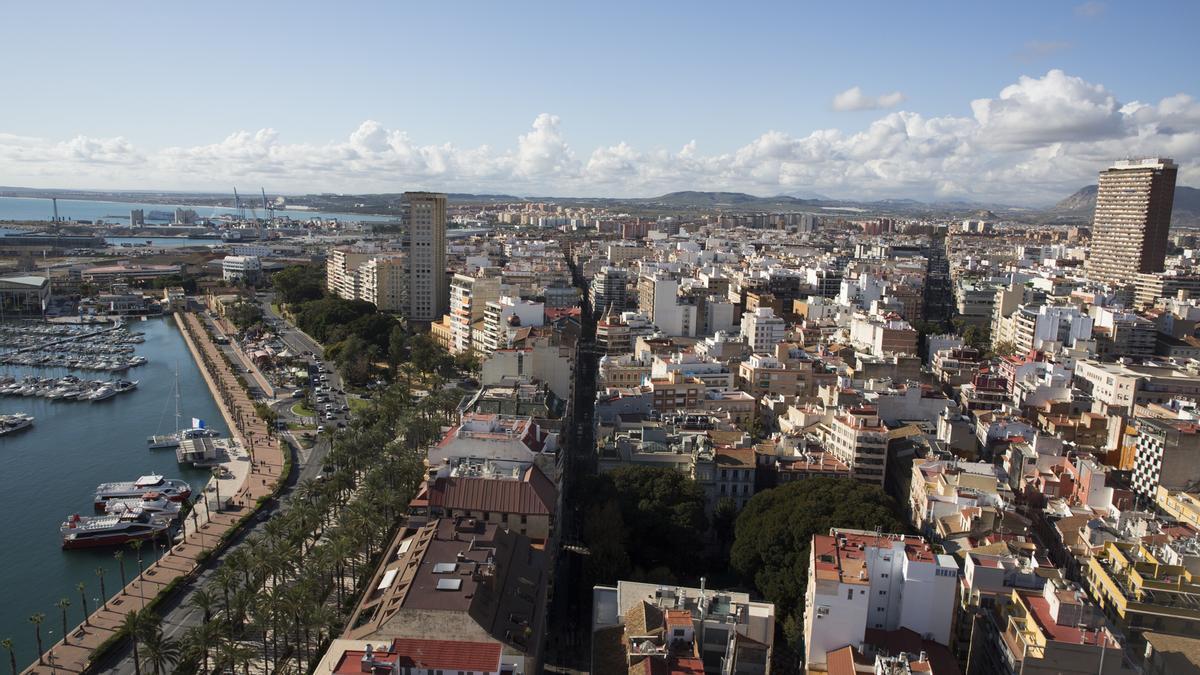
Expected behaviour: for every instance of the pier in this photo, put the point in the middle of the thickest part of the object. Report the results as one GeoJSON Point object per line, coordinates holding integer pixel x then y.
{"type": "Point", "coordinates": [255, 471]}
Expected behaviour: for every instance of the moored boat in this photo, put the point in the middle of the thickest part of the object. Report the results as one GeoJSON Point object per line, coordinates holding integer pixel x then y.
{"type": "Point", "coordinates": [154, 503]}
{"type": "Point", "coordinates": [15, 422]}
{"type": "Point", "coordinates": [111, 530]}
{"type": "Point", "coordinates": [172, 488]}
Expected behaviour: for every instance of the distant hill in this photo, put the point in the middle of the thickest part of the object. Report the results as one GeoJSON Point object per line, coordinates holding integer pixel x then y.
{"type": "Point", "coordinates": [697, 199]}
{"type": "Point", "coordinates": [463, 197]}
{"type": "Point", "coordinates": [1185, 212]}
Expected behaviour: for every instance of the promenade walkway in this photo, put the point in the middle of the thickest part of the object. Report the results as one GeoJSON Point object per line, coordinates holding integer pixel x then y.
{"type": "Point", "coordinates": [259, 449]}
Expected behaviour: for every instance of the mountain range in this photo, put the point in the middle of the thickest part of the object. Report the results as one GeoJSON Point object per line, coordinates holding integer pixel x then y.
{"type": "Point", "coordinates": [1186, 210]}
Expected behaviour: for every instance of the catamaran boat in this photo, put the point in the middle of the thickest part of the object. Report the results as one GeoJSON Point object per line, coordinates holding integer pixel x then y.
{"type": "Point", "coordinates": [172, 488]}
{"type": "Point", "coordinates": [154, 503]}
{"type": "Point", "coordinates": [172, 440]}
{"type": "Point", "coordinates": [14, 422]}
{"type": "Point", "coordinates": [112, 530]}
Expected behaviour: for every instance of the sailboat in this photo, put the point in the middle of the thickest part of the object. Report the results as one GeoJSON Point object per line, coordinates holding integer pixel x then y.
{"type": "Point", "coordinates": [172, 440]}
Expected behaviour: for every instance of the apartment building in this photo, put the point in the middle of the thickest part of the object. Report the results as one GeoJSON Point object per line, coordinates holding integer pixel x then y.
{"type": "Point", "coordinates": [376, 277]}
{"type": "Point", "coordinates": [341, 272]}
{"type": "Point", "coordinates": [1138, 591]}
{"type": "Point", "coordinates": [652, 628]}
{"type": "Point", "coordinates": [469, 295]}
{"type": "Point", "coordinates": [383, 282]}
{"type": "Point", "coordinates": [462, 581]}
{"type": "Point", "coordinates": [762, 330]}
{"type": "Point", "coordinates": [428, 291]}
{"type": "Point", "coordinates": [859, 439]}
{"type": "Point", "coordinates": [1132, 220]}
{"type": "Point", "coordinates": [658, 299]}
{"type": "Point", "coordinates": [246, 268]}
{"type": "Point", "coordinates": [655, 628]}
{"type": "Point", "coordinates": [1120, 334]}
{"type": "Point", "coordinates": [1168, 456]}
{"type": "Point", "coordinates": [608, 290]}
{"type": "Point", "coordinates": [1051, 631]}
{"type": "Point", "coordinates": [516, 496]}
{"type": "Point", "coordinates": [860, 581]}
{"type": "Point", "coordinates": [1116, 388]}
{"type": "Point", "coordinates": [502, 317]}
{"type": "Point", "coordinates": [883, 335]}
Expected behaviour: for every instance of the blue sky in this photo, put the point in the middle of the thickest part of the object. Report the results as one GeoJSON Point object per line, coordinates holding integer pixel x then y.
{"type": "Point", "coordinates": [633, 97]}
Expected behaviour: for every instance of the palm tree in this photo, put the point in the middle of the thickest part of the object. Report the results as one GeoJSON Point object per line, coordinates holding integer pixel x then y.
{"type": "Point", "coordinates": [204, 601]}
{"type": "Point", "coordinates": [202, 639]}
{"type": "Point", "coordinates": [62, 605]}
{"type": "Point", "coordinates": [225, 578]}
{"type": "Point", "coordinates": [196, 523]}
{"type": "Point", "coordinates": [136, 545]}
{"type": "Point", "coordinates": [134, 625]}
{"type": "Point", "coordinates": [82, 588]}
{"type": "Point", "coordinates": [232, 654]}
{"type": "Point", "coordinates": [161, 652]}
{"type": "Point", "coordinates": [103, 593]}
{"type": "Point", "coordinates": [7, 643]}
{"type": "Point", "coordinates": [37, 620]}
{"type": "Point", "coordinates": [120, 556]}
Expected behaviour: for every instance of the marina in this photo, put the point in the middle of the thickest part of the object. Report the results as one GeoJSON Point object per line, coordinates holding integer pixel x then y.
{"type": "Point", "coordinates": [70, 449]}
{"type": "Point", "coordinates": [75, 346]}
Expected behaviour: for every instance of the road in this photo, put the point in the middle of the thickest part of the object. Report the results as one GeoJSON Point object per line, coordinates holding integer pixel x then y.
{"type": "Point", "coordinates": [177, 614]}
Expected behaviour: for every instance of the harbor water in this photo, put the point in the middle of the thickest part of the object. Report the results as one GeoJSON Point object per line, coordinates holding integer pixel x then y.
{"type": "Point", "coordinates": [50, 471]}
{"type": "Point", "coordinates": [28, 208]}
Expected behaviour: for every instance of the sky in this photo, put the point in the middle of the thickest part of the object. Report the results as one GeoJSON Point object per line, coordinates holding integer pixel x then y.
{"type": "Point", "coordinates": [1016, 103]}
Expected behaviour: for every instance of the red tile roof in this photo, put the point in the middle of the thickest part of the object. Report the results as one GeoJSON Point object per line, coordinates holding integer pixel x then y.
{"type": "Point", "coordinates": [841, 661]}
{"type": "Point", "coordinates": [430, 655]}
{"type": "Point", "coordinates": [534, 494]}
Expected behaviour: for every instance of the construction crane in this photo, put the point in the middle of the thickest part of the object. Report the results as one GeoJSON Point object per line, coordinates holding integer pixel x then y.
{"type": "Point", "coordinates": [268, 207]}
{"type": "Point", "coordinates": [237, 205]}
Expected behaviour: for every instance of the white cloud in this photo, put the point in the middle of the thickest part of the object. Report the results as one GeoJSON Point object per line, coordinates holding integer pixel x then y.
{"type": "Point", "coordinates": [855, 99]}
{"type": "Point", "coordinates": [1056, 107]}
{"type": "Point", "coordinates": [1035, 141]}
{"type": "Point", "coordinates": [1092, 8]}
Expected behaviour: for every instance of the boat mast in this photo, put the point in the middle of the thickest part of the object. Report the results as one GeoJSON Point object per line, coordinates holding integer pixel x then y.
{"type": "Point", "coordinates": [177, 427]}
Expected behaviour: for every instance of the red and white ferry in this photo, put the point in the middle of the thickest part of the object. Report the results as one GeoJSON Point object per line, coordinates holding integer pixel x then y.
{"type": "Point", "coordinates": [115, 530]}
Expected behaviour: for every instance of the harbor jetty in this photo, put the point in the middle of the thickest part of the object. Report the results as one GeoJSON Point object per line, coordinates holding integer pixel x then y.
{"type": "Point", "coordinates": [254, 471]}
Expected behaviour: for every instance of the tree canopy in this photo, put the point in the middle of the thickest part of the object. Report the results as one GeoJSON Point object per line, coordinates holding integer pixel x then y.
{"type": "Point", "coordinates": [648, 519]}
{"type": "Point", "coordinates": [775, 529]}
{"type": "Point", "coordinates": [299, 283]}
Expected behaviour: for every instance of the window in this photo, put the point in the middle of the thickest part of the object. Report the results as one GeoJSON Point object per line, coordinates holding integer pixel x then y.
{"type": "Point", "coordinates": [883, 592]}
{"type": "Point", "coordinates": [849, 593]}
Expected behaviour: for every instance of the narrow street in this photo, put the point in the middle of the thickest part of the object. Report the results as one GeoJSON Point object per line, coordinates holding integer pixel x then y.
{"type": "Point", "coordinates": [569, 641]}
